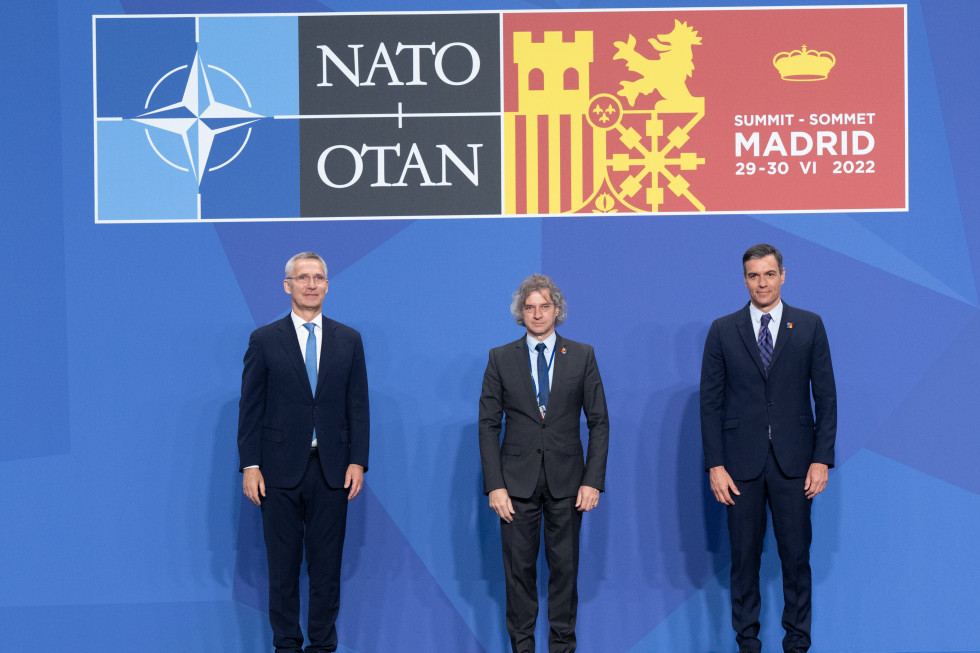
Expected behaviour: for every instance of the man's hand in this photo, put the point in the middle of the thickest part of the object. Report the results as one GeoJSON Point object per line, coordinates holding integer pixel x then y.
{"type": "Point", "coordinates": [588, 498]}
{"type": "Point", "coordinates": [354, 480]}
{"type": "Point", "coordinates": [816, 480]}
{"type": "Point", "coordinates": [501, 504]}
{"type": "Point", "coordinates": [253, 485]}
{"type": "Point", "coordinates": [722, 485]}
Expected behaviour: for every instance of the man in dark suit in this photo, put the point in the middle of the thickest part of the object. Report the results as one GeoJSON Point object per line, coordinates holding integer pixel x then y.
{"type": "Point", "coordinates": [539, 386]}
{"type": "Point", "coordinates": [303, 430]}
{"type": "Point", "coordinates": [765, 442]}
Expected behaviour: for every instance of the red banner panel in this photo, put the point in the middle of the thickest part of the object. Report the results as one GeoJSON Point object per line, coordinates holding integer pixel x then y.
{"type": "Point", "coordinates": [719, 110]}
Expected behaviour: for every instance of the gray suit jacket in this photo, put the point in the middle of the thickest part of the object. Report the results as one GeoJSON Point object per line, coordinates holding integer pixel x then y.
{"type": "Point", "coordinates": [508, 403]}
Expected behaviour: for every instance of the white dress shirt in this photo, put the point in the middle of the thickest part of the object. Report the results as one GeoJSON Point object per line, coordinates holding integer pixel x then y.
{"type": "Point", "coordinates": [777, 316]}
{"type": "Point", "coordinates": [302, 335]}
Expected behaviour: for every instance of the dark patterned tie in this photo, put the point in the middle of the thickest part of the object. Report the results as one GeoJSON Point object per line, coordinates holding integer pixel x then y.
{"type": "Point", "coordinates": [765, 343]}
{"type": "Point", "coordinates": [543, 386]}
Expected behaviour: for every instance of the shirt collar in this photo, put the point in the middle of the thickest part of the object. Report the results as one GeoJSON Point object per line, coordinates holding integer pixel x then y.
{"type": "Point", "coordinates": [298, 322]}
{"type": "Point", "coordinates": [776, 313]}
{"type": "Point", "coordinates": [549, 342]}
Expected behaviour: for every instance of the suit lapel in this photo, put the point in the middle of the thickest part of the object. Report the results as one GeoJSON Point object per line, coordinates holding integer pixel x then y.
{"type": "Point", "coordinates": [521, 364]}
{"type": "Point", "coordinates": [748, 334]}
{"type": "Point", "coordinates": [784, 336]}
{"type": "Point", "coordinates": [558, 375]}
{"type": "Point", "coordinates": [291, 350]}
{"type": "Point", "coordinates": [328, 331]}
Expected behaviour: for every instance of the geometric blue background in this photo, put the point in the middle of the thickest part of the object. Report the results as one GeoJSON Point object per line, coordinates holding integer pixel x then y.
{"type": "Point", "coordinates": [124, 526]}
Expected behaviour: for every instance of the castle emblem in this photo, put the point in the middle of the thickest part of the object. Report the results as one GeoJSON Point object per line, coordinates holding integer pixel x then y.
{"type": "Point", "coordinates": [575, 147]}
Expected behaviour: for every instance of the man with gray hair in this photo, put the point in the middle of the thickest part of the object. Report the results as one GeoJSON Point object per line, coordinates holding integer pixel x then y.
{"type": "Point", "coordinates": [542, 383]}
{"type": "Point", "coordinates": [303, 431]}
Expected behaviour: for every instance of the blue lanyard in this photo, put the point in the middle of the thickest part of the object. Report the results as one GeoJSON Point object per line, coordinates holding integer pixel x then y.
{"type": "Point", "coordinates": [531, 365]}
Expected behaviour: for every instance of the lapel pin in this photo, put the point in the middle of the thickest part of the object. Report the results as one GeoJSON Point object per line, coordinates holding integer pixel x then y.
{"type": "Point", "coordinates": [563, 351]}
{"type": "Point", "coordinates": [789, 325]}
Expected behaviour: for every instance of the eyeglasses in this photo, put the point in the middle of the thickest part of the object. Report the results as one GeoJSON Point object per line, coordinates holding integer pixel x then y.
{"type": "Point", "coordinates": [318, 279]}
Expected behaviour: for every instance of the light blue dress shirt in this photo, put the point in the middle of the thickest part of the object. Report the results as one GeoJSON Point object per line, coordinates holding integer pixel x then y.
{"type": "Point", "coordinates": [549, 352]}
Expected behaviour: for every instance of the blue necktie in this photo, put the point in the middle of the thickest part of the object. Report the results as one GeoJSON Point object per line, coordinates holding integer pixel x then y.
{"type": "Point", "coordinates": [543, 386]}
{"type": "Point", "coordinates": [311, 355]}
{"type": "Point", "coordinates": [311, 359]}
{"type": "Point", "coordinates": [765, 342]}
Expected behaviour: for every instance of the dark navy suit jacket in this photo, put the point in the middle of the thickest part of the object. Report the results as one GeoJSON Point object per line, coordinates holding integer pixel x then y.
{"type": "Point", "coordinates": [740, 406]}
{"type": "Point", "coordinates": [508, 399]}
{"type": "Point", "coordinates": [278, 410]}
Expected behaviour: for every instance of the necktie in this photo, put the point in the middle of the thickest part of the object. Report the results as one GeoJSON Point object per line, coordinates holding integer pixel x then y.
{"type": "Point", "coordinates": [765, 342]}
{"type": "Point", "coordinates": [543, 386]}
{"type": "Point", "coordinates": [311, 359]}
{"type": "Point", "coordinates": [311, 355]}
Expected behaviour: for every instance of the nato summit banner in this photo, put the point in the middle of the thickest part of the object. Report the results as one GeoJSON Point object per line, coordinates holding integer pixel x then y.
{"type": "Point", "coordinates": [331, 116]}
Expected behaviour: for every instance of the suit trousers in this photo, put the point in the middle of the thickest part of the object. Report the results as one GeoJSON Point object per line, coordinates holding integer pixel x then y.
{"type": "Point", "coordinates": [521, 539]}
{"type": "Point", "coordinates": [747, 529]}
{"type": "Point", "coordinates": [315, 515]}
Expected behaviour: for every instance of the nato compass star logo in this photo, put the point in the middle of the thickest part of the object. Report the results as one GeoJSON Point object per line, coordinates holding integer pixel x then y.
{"type": "Point", "coordinates": [197, 119]}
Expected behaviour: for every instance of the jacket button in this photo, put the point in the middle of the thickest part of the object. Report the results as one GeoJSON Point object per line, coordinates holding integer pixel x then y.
{"type": "Point", "coordinates": [539, 451]}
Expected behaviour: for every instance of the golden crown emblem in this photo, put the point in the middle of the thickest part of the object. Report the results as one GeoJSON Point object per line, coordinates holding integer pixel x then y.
{"type": "Point", "coordinates": [804, 65]}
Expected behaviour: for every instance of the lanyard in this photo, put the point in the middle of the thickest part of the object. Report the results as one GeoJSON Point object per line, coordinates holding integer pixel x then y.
{"type": "Point", "coordinates": [531, 365]}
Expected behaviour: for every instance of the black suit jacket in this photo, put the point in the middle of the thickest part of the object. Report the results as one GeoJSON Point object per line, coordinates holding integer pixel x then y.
{"type": "Point", "coordinates": [278, 410]}
{"type": "Point", "coordinates": [739, 404]}
{"type": "Point", "coordinates": [508, 401]}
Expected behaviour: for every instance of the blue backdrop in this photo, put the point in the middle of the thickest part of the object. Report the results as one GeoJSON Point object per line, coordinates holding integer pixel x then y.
{"type": "Point", "coordinates": [124, 525]}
